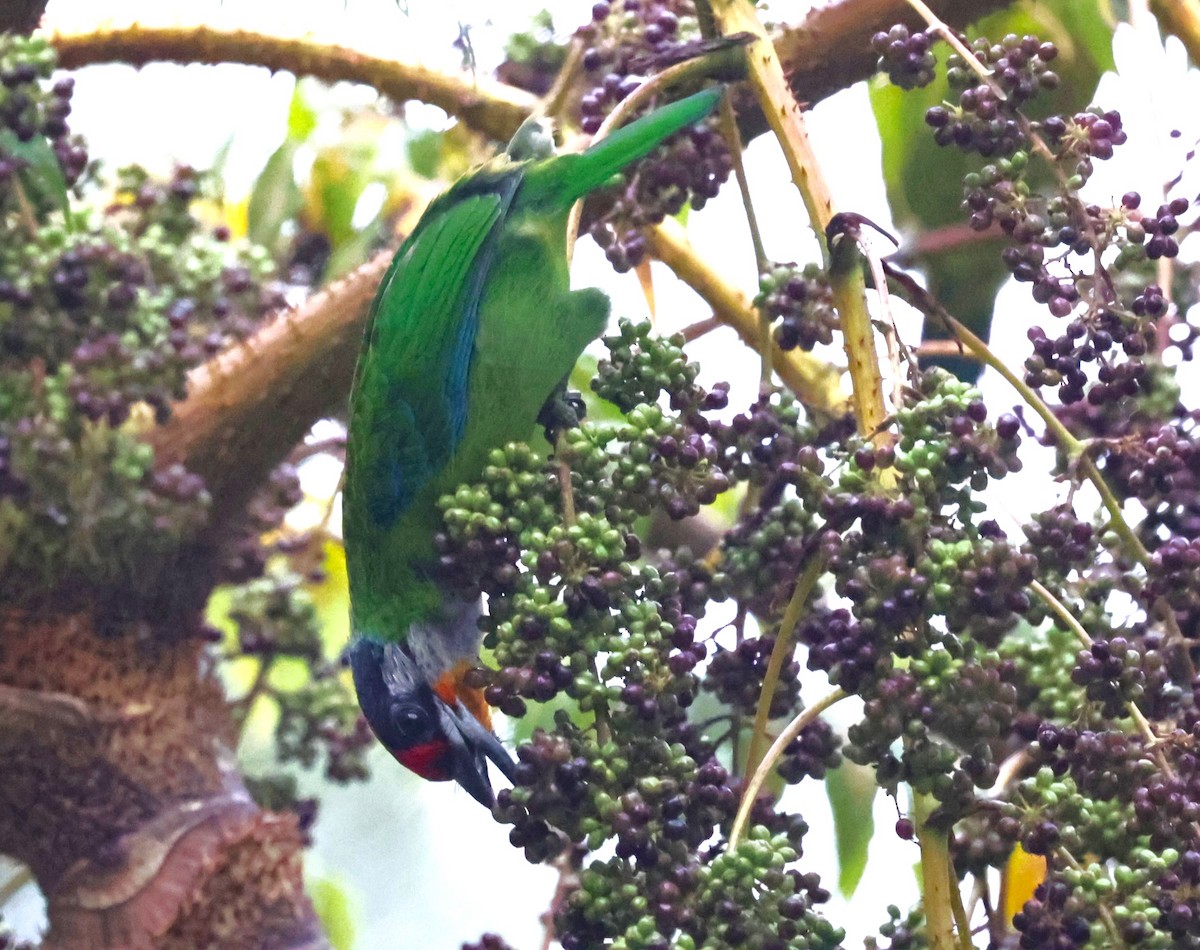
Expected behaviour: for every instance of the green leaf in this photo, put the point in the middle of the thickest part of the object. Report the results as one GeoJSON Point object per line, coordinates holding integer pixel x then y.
{"type": "Point", "coordinates": [851, 789]}
{"type": "Point", "coordinates": [425, 153]}
{"type": "Point", "coordinates": [337, 181]}
{"type": "Point", "coordinates": [42, 177]}
{"type": "Point", "coordinates": [924, 180]}
{"type": "Point", "coordinates": [302, 118]}
{"type": "Point", "coordinates": [352, 250]}
{"type": "Point", "coordinates": [275, 197]}
{"type": "Point", "coordinates": [332, 905]}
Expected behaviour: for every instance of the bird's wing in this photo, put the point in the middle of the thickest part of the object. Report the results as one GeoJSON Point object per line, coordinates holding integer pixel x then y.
{"type": "Point", "coordinates": [409, 403]}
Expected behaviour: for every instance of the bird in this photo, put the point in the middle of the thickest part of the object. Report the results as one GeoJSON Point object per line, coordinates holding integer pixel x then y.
{"type": "Point", "coordinates": [473, 329]}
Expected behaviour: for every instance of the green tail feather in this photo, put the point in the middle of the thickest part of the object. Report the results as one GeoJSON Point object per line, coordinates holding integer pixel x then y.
{"type": "Point", "coordinates": [569, 177]}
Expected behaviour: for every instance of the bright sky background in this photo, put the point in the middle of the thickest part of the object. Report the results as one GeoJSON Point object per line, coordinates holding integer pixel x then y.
{"type": "Point", "coordinates": [423, 864]}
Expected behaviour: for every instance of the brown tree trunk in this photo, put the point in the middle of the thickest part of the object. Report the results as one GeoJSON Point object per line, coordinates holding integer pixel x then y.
{"type": "Point", "coordinates": [119, 791]}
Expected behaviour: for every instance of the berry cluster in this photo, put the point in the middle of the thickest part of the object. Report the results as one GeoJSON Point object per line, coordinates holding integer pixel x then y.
{"type": "Point", "coordinates": [1112, 325]}
{"type": "Point", "coordinates": [986, 119]}
{"type": "Point", "coordinates": [33, 118]}
{"type": "Point", "coordinates": [811, 754]}
{"type": "Point", "coordinates": [1101, 903]}
{"type": "Point", "coordinates": [625, 40]}
{"type": "Point", "coordinates": [274, 621]}
{"type": "Point", "coordinates": [100, 323]}
{"type": "Point", "coordinates": [1047, 691]}
{"type": "Point", "coordinates": [801, 301]}
{"type": "Point", "coordinates": [736, 676]}
{"type": "Point", "coordinates": [906, 57]}
{"type": "Point", "coordinates": [1059, 542]}
{"type": "Point", "coordinates": [946, 715]}
{"type": "Point", "coordinates": [903, 931]}
{"type": "Point", "coordinates": [575, 615]}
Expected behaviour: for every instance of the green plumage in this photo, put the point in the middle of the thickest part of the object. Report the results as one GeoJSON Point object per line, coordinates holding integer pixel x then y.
{"type": "Point", "coordinates": [472, 329]}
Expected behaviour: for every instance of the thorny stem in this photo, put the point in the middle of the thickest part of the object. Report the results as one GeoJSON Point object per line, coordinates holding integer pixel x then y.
{"type": "Point", "coordinates": [779, 652]}
{"type": "Point", "coordinates": [937, 872]}
{"type": "Point", "coordinates": [805, 719]}
{"type": "Point", "coordinates": [848, 286]}
{"type": "Point", "coordinates": [962, 923]}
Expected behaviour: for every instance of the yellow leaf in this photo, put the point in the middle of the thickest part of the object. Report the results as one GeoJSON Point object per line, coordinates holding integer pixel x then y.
{"type": "Point", "coordinates": [1022, 874]}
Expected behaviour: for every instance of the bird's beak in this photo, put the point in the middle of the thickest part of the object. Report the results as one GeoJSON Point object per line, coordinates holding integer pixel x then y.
{"type": "Point", "coordinates": [471, 745]}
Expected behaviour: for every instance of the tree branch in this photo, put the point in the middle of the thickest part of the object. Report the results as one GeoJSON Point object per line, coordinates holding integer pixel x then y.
{"type": "Point", "coordinates": [483, 104]}
{"type": "Point", "coordinates": [829, 50]}
{"type": "Point", "coordinates": [249, 406]}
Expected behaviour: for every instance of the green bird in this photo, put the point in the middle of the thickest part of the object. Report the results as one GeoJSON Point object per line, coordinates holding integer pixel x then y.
{"type": "Point", "coordinates": [473, 329]}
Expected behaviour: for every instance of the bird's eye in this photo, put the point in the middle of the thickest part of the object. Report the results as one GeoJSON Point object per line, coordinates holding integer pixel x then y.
{"type": "Point", "coordinates": [412, 720]}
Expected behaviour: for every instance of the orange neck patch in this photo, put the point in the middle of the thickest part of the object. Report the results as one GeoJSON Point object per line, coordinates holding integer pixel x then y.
{"type": "Point", "coordinates": [452, 689]}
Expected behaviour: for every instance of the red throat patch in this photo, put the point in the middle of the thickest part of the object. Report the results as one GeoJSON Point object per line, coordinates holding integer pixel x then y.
{"type": "Point", "coordinates": [429, 760]}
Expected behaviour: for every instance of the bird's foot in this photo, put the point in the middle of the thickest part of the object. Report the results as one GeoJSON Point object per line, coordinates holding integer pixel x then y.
{"type": "Point", "coordinates": [565, 409]}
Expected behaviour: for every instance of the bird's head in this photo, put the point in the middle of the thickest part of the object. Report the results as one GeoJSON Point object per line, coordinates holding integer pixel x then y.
{"type": "Point", "coordinates": [438, 727]}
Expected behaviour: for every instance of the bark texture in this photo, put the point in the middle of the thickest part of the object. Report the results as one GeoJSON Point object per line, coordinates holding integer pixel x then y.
{"type": "Point", "coordinates": [120, 793]}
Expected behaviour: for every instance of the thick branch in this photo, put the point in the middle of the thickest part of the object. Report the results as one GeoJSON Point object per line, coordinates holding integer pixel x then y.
{"type": "Point", "coordinates": [250, 405]}
{"type": "Point", "coordinates": [830, 49]}
{"type": "Point", "coordinates": [485, 105]}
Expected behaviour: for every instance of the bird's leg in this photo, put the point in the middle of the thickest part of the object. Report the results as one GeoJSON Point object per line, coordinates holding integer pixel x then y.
{"type": "Point", "coordinates": [564, 409]}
